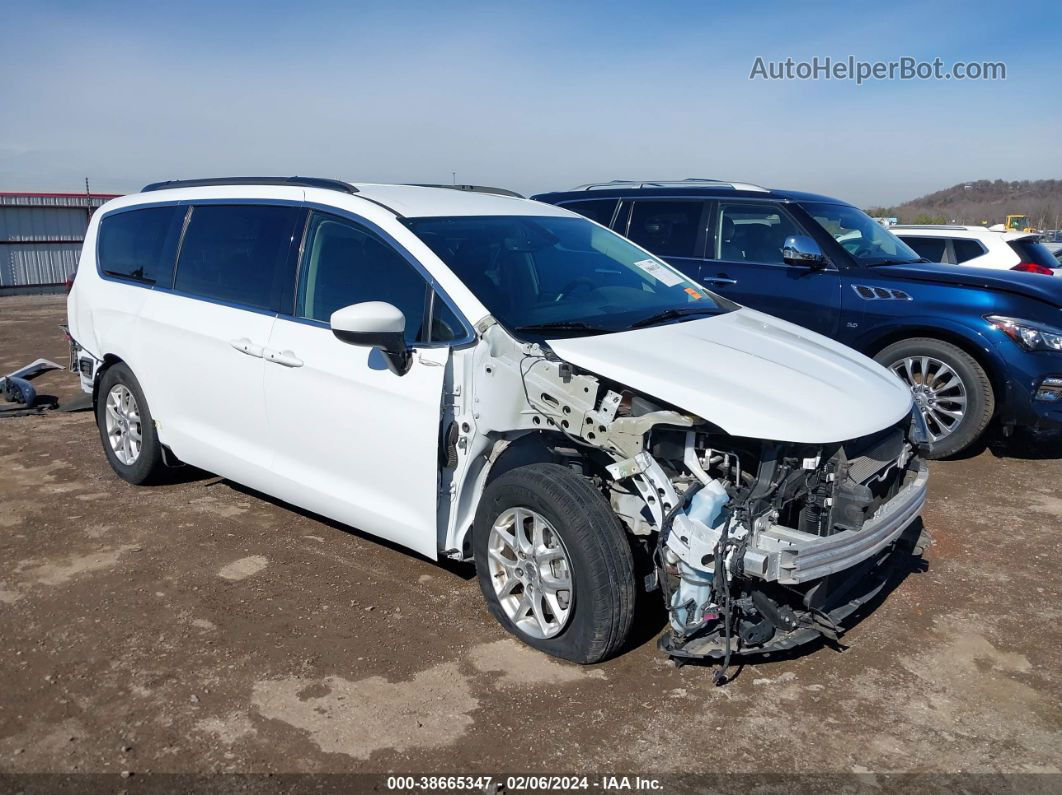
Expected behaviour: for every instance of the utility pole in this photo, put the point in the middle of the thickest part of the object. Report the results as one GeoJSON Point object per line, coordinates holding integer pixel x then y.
{"type": "Point", "coordinates": [87, 191]}
{"type": "Point", "coordinates": [453, 176]}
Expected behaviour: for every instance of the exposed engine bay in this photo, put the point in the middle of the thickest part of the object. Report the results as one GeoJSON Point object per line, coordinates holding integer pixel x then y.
{"type": "Point", "coordinates": [755, 545]}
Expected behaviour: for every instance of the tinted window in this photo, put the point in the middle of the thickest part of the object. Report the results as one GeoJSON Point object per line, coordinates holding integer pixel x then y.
{"type": "Point", "coordinates": [240, 254]}
{"type": "Point", "coordinates": [445, 325]}
{"type": "Point", "coordinates": [600, 210]}
{"type": "Point", "coordinates": [752, 233]}
{"type": "Point", "coordinates": [1031, 250]}
{"type": "Point", "coordinates": [966, 249]}
{"type": "Point", "coordinates": [667, 228]}
{"type": "Point", "coordinates": [141, 244]}
{"type": "Point", "coordinates": [932, 248]}
{"type": "Point", "coordinates": [555, 277]}
{"type": "Point", "coordinates": [344, 263]}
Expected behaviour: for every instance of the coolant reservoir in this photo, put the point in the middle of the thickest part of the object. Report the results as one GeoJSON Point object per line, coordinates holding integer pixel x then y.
{"type": "Point", "coordinates": [707, 504]}
{"type": "Point", "coordinates": [692, 600]}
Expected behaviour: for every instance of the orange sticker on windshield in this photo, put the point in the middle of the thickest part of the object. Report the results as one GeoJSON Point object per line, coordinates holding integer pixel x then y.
{"type": "Point", "coordinates": [696, 296]}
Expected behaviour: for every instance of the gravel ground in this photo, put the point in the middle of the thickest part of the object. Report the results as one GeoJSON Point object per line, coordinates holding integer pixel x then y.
{"type": "Point", "coordinates": [199, 627]}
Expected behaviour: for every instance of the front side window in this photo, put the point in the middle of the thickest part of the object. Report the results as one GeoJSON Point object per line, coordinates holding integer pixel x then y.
{"type": "Point", "coordinates": [241, 254]}
{"type": "Point", "coordinates": [867, 241]}
{"type": "Point", "coordinates": [140, 245]}
{"type": "Point", "coordinates": [344, 263]}
{"type": "Point", "coordinates": [544, 277]}
{"type": "Point", "coordinates": [931, 248]}
{"type": "Point", "coordinates": [746, 232]}
{"type": "Point", "coordinates": [668, 228]}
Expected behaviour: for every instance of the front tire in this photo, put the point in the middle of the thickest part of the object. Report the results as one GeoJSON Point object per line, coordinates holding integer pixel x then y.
{"type": "Point", "coordinates": [951, 390]}
{"type": "Point", "coordinates": [126, 427]}
{"type": "Point", "coordinates": [554, 564]}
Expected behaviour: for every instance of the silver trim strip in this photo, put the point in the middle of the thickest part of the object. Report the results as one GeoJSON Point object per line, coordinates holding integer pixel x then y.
{"type": "Point", "coordinates": [794, 557]}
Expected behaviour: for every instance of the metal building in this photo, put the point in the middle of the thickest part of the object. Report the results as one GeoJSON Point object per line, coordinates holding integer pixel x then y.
{"type": "Point", "coordinates": [41, 236]}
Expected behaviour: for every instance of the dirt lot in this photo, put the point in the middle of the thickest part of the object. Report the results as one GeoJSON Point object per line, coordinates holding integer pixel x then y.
{"type": "Point", "coordinates": [201, 627]}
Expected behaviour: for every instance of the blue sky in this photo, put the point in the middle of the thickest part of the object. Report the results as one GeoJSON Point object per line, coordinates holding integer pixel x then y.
{"type": "Point", "coordinates": [532, 96]}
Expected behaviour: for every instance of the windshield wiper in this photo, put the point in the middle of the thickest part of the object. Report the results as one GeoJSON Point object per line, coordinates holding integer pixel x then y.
{"type": "Point", "coordinates": [671, 314]}
{"type": "Point", "coordinates": [563, 325]}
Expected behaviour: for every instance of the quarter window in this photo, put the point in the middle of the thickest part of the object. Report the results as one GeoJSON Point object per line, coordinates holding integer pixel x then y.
{"type": "Point", "coordinates": [140, 245]}
{"type": "Point", "coordinates": [600, 210]}
{"type": "Point", "coordinates": [966, 249]}
{"type": "Point", "coordinates": [667, 228]}
{"type": "Point", "coordinates": [344, 263]}
{"type": "Point", "coordinates": [931, 248]}
{"type": "Point", "coordinates": [748, 232]}
{"type": "Point", "coordinates": [241, 254]}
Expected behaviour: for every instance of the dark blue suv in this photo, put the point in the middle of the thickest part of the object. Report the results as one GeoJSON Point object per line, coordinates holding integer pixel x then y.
{"type": "Point", "coordinates": [973, 344]}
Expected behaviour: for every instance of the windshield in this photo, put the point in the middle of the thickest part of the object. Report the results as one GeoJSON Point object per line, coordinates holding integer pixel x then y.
{"type": "Point", "coordinates": [560, 277]}
{"type": "Point", "coordinates": [860, 235]}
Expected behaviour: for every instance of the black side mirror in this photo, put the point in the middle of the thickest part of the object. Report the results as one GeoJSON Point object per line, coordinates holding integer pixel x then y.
{"type": "Point", "coordinates": [375, 324]}
{"type": "Point", "coordinates": [801, 250]}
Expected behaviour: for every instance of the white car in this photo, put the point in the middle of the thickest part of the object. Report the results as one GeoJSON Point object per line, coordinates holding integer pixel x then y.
{"type": "Point", "coordinates": [979, 246]}
{"type": "Point", "coordinates": [491, 379]}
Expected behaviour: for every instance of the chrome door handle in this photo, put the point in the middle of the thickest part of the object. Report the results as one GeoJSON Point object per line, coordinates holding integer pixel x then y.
{"type": "Point", "coordinates": [720, 280]}
{"type": "Point", "coordinates": [285, 358]}
{"type": "Point", "coordinates": [244, 345]}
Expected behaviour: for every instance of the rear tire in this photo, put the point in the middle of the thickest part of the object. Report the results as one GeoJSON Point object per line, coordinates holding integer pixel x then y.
{"type": "Point", "coordinates": [593, 620]}
{"type": "Point", "coordinates": [929, 365]}
{"type": "Point", "coordinates": [127, 429]}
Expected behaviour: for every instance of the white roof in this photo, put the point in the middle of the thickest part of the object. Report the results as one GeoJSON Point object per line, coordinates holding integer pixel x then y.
{"type": "Point", "coordinates": [957, 230]}
{"type": "Point", "coordinates": [411, 201]}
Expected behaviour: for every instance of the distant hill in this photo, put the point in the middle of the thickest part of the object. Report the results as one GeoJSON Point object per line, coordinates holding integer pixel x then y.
{"type": "Point", "coordinates": [984, 201]}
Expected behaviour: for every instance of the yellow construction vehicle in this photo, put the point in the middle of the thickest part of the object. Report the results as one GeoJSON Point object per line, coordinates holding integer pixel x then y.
{"type": "Point", "coordinates": [1018, 223]}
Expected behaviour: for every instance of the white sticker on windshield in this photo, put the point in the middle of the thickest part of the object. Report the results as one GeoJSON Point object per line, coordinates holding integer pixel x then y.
{"type": "Point", "coordinates": [659, 272]}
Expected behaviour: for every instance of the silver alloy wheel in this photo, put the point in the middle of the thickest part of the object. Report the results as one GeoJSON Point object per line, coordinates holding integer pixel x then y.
{"type": "Point", "coordinates": [531, 572]}
{"type": "Point", "coordinates": [124, 431]}
{"type": "Point", "coordinates": [939, 393]}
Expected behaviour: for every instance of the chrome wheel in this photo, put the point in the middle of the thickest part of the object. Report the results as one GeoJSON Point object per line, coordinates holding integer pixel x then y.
{"type": "Point", "coordinates": [531, 572]}
{"type": "Point", "coordinates": [939, 393]}
{"type": "Point", "coordinates": [124, 431]}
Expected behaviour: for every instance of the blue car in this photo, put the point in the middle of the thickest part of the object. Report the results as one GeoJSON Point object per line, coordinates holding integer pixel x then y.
{"type": "Point", "coordinates": [973, 344]}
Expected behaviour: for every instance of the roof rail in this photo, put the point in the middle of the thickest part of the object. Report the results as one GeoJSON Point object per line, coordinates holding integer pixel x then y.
{"type": "Point", "coordinates": [689, 182]}
{"type": "Point", "coordinates": [300, 182]}
{"type": "Point", "coordinates": [472, 188]}
{"type": "Point", "coordinates": [956, 227]}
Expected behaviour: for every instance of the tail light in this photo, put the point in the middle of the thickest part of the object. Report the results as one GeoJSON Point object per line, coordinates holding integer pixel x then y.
{"type": "Point", "coordinates": [69, 283]}
{"type": "Point", "coordinates": [1032, 267]}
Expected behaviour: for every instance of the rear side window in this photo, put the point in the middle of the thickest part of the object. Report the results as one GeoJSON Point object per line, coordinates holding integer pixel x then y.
{"type": "Point", "coordinates": [241, 254]}
{"type": "Point", "coordinates": [140, 245]}
{"type": "Point", "coordinates": [931, 248]}
{"type": "Point", "coordinates": [1035, 252]}
{"type": "Point", "coordinates": [966, 249]}
{"type": "Point", "coordinates": [600, 210]}
{"type": "Point", "coordinates": [344, 263]}
{"type": "Point", "coordinates": [668, 228]}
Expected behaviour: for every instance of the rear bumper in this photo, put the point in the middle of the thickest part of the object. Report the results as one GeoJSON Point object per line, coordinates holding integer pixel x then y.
{"type": "Point", "coordinates": [790, 557]}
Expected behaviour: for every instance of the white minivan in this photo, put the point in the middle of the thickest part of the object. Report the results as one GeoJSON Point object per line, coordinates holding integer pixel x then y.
{"type": "Point", "coordinates": [477, 376]}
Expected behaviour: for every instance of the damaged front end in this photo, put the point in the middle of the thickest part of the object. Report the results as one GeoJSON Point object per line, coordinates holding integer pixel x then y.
{"type": "Point", "coordinates": [756, 545]}
{"type": "Point", "coordinates": [774, 544]}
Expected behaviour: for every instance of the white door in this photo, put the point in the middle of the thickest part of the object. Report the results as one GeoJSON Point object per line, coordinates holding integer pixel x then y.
{"type": "Point", "coordinates": [205, 338]}
{"type": "Point", "coordinates": [354, 440]}
{"type": "Point", "coordinates": [205, 384]}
